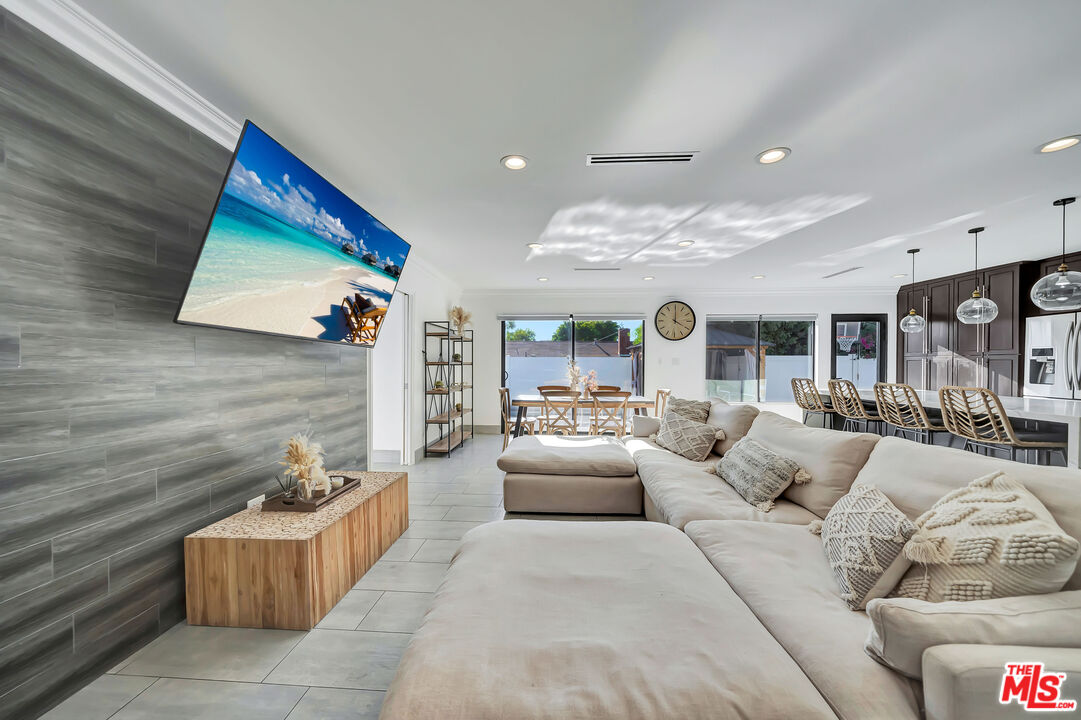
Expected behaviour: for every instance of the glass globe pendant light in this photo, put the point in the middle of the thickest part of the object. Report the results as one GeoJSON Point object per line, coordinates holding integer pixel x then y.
{"type": "Point", "coordinates": [1061, 290]}
{"type": "Point", "coordinates": [977, 310]}
{"type": "Point", "coordinates": [913, 322]}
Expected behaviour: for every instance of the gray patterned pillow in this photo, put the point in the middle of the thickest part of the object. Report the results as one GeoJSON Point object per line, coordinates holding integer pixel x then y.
{"type": "Point", "coordinates": [697, 410]}
{"type": "Point", "coordinates": [759, 474]}
{"type": "Point", "coordinates": [864, 535]}
{"type": "Point", "coordinates": [693, 440]}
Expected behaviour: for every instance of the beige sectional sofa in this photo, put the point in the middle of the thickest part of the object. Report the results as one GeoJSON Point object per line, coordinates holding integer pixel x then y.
{"type": "Point", "coordinates": [737, 616]}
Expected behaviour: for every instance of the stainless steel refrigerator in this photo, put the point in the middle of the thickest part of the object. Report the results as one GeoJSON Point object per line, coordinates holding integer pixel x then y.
{"type": "Point", "coordinates": [1052, 359]}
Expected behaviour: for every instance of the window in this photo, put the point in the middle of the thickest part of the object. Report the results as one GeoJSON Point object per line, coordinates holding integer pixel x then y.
{"type": "Point", "coordinates": [753, 359]}
{"type": "Point", "coordinates": [536, 351]}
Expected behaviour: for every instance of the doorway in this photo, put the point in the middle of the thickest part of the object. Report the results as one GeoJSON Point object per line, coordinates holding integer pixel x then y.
{"type": "Point", "coordinates": [390, 371]}
{"type": "Point", "coordinates": [859, 349]}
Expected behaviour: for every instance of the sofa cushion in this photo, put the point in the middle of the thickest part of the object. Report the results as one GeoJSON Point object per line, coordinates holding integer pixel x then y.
{"type": "Point", "coordinates": [697, 410]}
{"type": "Point", "coordinates": [539, 619]}
{"type": "Point", "coordinates": [644, 425]}
{"type": "Point", "coordinates": [781, 573]}
{"type": "Point", "coordinates": [677, 494]}
{"type": "Point", "coordinates": [990, 539]}
{"type": "Point", "coordinates": [644, 449]}
{"type": "Point", "coordinates": [693, 440]}
{"type": "Point", "coordinates": [567, 455]}
{"type": "Point", "coordinates": [735, 420]}
{"type": "Point", "coordinates": [915, 476]}
{"type": "Point", "coordinates": [832, 458]}
{"type": "Point", "coordinates": [757, 473]}
{"type": "Point", "coordinates": [864, 535]}
{"type": "Point", "coordinates": [902, 628]}
{"type": "Point", "coordinates": [581, 494]}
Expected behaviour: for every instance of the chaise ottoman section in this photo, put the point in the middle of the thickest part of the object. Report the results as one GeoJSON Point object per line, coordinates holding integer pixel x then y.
{"type": "Point", "coordinates": [627, 620]}
{"type": "Point", "coordinates": [568, 474]}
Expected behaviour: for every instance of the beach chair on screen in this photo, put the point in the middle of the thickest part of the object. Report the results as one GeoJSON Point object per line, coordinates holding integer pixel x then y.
{"type": "Point", "coordinates": [363, 319]}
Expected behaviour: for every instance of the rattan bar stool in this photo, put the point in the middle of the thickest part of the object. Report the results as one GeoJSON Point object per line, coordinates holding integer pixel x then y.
{"type": "Point", "coordinates": [810, 401]}
{"type": "Point", "coordinates": [900, 407]}
{"type": "Point", "coordinates": [848, 404]}
{"type": "Point", "coordinates": [976, 414]}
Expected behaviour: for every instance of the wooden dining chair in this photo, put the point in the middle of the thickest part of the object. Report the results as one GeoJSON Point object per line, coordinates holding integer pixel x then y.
{"type": "Point", "coordinates": [811, 401]}
{"type": "Point", "coordinates": [846, 402]}
{"type": "Point", "coordinates": [976, 414]}
{"type": "Point", "coordinates": [563, 388]}
{"type": "Point", "coordinates": [560, 412]}
{"type": "Point", "coordinates": [662, 401]}
{"type": "Point", "coordinates": [529, 425]}
{"type": "Point", "coordinates": [900, 407]}
{"type": "Point", "coordinates": [609, 412]}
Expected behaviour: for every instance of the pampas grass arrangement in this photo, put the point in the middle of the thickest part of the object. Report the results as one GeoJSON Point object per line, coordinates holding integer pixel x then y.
{"type": "Point", "coordinates": [304, 461]}
{"type": "Point", "coordinates": [459, 318]}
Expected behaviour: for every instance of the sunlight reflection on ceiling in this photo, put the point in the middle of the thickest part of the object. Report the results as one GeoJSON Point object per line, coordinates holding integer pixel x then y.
{"type": "Point", "coordinates": [605, 231]}
{"type": "Point", "coordinates": [845, 257]}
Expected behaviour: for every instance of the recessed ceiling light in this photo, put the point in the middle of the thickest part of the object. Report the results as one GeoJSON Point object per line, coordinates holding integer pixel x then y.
{"type": "Point", "coordinates": [777, 154]}
{"type": "Point", "coordinates": [534, 246]}
{"type": "Point", "coordinates": [542, 279]}
{"type": "Point", "coordinates": [513, 162]}
{"type": "Point", "coordinates": [757, 277]}
{"type": "Point", "coordinates": [685, 243]}
{"type": "Point", "coordinates": [1061, 144]}
{"type": "Point", "coordinates": [900, 275]}
{"type": "Point", "coordinates": [648, 277]}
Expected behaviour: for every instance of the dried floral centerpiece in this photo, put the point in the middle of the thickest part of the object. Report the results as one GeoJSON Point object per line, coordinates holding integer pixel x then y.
{"type": "Point", "coordinates": [304, 462]}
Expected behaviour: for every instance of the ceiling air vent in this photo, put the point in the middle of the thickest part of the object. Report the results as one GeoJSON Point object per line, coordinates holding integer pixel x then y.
{"type": "Point", "coordinates": [595, 269]}
{"type": "Point", "coordinates": [636, 158]}
{"type": "Point", "coordinates": [842, 272]}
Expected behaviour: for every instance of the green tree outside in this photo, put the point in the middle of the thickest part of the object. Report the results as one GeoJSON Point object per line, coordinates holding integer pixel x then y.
{"type": "Point", "coordinates": [588, 331]}
{"type": "Point", "coordinates": [517, 334]}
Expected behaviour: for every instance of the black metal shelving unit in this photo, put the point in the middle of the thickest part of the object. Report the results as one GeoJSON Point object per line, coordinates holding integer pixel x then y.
{"type": "Point", "coordinates": [448, 387]}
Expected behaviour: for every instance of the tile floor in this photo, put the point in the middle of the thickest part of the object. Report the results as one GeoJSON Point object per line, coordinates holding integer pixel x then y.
{"type": "Point", "coordinates": [341, 668]}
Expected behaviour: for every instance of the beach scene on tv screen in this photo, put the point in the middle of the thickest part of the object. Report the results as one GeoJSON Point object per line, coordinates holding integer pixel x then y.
{"type": "Point", "coordinates": [289, 253]}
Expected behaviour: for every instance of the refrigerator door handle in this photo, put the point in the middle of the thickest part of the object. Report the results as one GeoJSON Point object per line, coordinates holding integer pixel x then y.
{"type": "Point", "coordinates": [1068, 366]}
{"type": "Point", "coordinates": [1076, 367]}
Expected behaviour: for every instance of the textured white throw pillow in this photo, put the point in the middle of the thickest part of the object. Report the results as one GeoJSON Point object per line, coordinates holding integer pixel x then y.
{"type": "Point", "coordinates": [693, 440]}
{"type": "Point", "coordinates": [990, 539]}
{"type": "Point", "coordinates": [864, 536]}
{"type": "Point", "coordinates": [757, 473]}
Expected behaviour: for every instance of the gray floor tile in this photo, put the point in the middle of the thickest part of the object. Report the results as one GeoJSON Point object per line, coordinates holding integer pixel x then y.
{"type": "Point", "coordinates": [343, 659]}
{"type": "Point", "coordinates": [407, 576]}
{"type": "Point", "coordinates": [474, 514]}
{"type": "Point", "coordinates": [338, 704]}
{"type": "Point", "coordinates": [437, 551]}
{"type": "Point", "coordinates": [483, 487]}
{"type": "Point", "coordinates": [402, 549]}
{"type": "Point", "coordinates": [172, 699]}
{"type": "Point", "coordinates": [213, 653]}
{"type": "Point", "coordinates": [487, 500]}
{"type": "Point", "coordinates": [438, 529]}
{"type": "Point", "coordinates": [100, 699]}
{"type": "Point", "coordinates": [398, 612]}
{"type": "Point", "coordinates": [350, 610]}
{"type": "Point", "coordinates": [427, 512]}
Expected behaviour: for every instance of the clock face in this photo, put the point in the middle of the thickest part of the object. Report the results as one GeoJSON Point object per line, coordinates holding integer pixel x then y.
{"type": "Point", "coordinates": [675, 320]}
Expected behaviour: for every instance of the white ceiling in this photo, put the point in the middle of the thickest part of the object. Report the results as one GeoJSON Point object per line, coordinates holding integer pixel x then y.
{"type": "Point", "coordinates": [909, 122]}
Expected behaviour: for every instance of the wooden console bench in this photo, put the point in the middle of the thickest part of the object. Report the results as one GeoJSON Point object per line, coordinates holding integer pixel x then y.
{"type": "Point", "coordinates": [288, 569]}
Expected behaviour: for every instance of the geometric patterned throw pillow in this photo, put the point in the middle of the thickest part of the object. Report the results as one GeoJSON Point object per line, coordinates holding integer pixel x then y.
{"type": "Point", "coordinates": [758, 474]}
{"type": "Point", "coordinates": [990, 539]}
{"type": "Point", "coordinates": [864, 535]}
{"type": "Point", "coordinates": [693, 440]}
{"type": "Point", "coordinates": [697, 410]}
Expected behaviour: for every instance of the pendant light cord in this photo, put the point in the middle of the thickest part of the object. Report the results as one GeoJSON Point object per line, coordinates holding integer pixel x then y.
{"type": "Point", "coordinates": [913, 267]}
{"type": "Point", "coordinates": [1063, 233]}
{"type": "Point", "coordinates": [976, 260]}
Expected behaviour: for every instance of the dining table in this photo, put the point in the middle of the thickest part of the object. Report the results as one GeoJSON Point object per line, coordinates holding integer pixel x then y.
{"type": "Point", "coordinates": [639, 403]}
{"type": "Point", "coordinates": [1032, 409]}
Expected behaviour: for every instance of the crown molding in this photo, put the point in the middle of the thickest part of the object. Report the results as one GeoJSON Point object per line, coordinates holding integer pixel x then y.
{"type": "Point", "coordinates": [85, 35]}
{"type": "Point", "coordinates": [688, 292]}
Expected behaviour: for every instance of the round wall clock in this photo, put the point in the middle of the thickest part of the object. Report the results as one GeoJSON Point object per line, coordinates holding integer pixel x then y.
{"type": "Point", "coordinates": [674, 320]}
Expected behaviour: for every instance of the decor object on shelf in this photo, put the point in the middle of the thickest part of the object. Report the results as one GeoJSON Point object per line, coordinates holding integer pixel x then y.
{"type": "Point", "coordinates": [977, 310]}
{"type": "Point", "coordinates": [1061, 290]}
{"type": "Point", "coordinates": [456, 357]}
{"type": "Point", "coordinates": [437, 384]}
{"type": "Point", "coordinates": [913, 322]}
{"type": "Point", "coordinates": [304, 461]}
{"type": "Point", "coordinates": [459, 318]}
{"type": "Point", "coordinates": [674, 320]}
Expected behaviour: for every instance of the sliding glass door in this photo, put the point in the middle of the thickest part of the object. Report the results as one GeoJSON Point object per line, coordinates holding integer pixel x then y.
{"type": "Point", "coordinates": [535, 352]}
{"type": "Point", "coordinates": [753, 359]}
{"type": "Point", "coordinates": [859, 349]}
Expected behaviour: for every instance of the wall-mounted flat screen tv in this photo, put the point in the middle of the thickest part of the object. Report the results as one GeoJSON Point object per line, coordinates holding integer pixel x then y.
{"type": "Point", "coordinates": [287, 253]}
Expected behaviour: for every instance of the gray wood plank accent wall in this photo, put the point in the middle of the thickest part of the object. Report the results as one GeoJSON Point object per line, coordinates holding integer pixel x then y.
{"type": "Point", "coordinates": [121, 431]}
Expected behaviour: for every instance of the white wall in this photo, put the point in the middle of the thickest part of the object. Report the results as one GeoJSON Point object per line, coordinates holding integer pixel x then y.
{"type": "Point", "coordinates": [679, 365]}
{"type": "Point", "coordinates": [388, 369]}
{"type": "Point", "coordinates": [432, 294]}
